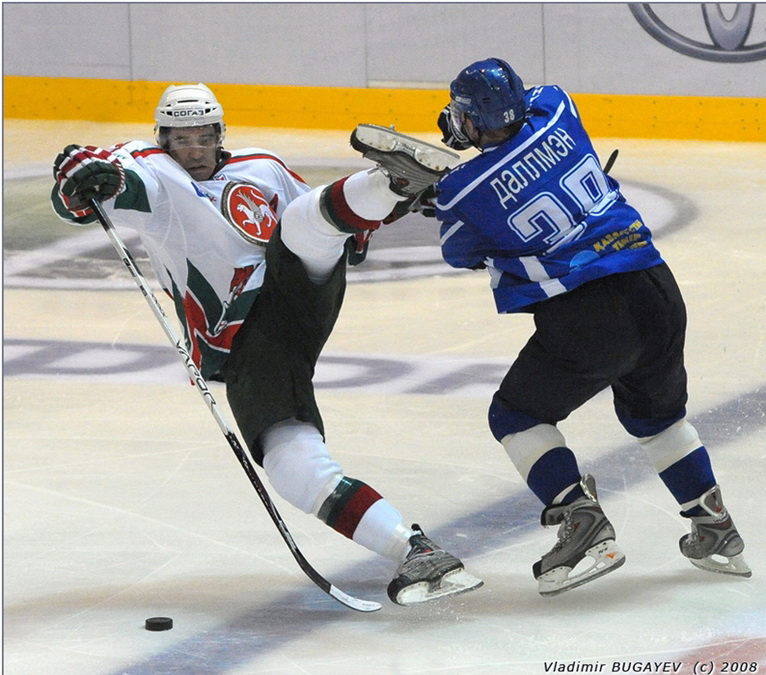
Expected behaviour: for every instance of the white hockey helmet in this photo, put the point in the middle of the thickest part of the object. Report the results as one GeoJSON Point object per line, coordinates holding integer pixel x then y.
{"type": "Point", "coordinates": [188, 105]}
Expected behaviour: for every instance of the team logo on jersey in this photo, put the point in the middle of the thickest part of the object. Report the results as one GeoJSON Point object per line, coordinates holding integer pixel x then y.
{"type": "Point", "coordinates": [245, 207]}
{"type": "Point", "coordinates": [729, 30]}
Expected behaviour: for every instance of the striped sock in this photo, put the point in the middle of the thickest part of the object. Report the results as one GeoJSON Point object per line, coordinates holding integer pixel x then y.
{"type": "Point", "coordinates": [346, 506]}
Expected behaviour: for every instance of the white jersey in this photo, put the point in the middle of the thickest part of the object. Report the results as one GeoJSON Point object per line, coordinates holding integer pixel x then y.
{"type": "Point", "coordinates": [205, 239]}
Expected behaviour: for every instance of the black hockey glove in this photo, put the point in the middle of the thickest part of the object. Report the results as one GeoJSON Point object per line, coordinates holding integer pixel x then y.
{"type": "Point", "coordinates": [426, 202]}
{"type": "Point", "coordinates": [85, 173]}
{"type": "Point", "coordinates": [452, 136]}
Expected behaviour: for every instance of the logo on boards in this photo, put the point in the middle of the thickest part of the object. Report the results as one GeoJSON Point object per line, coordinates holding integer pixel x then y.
{"type": "Point", "coordinates": [722, 32]}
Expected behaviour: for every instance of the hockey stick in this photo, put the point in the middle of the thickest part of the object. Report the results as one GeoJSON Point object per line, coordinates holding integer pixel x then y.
{"type": "Point", "coordinates": [231, 437]}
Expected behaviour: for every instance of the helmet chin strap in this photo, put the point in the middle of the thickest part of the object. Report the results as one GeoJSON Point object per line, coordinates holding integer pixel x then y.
{"type": "Point", "coordinates": [221, 159]}
{"type": "Point", "coordinates": [472, 133]}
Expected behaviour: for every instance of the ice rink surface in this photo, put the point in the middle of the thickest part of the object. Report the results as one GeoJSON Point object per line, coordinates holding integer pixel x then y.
{"type": "Point", "coordinates": [122, 500]}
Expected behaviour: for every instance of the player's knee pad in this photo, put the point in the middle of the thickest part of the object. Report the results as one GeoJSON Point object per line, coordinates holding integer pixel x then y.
{"type": "Point", "coordinates": [524, 448]}
{"type": "Point", "coordinates": [503, 421]}
{"type": "Point", "coordinates": [298, 465]}
{"type": "Point", "coordinates": [671, 445]}
{"type": "Point", "coordinates": [644, 428]}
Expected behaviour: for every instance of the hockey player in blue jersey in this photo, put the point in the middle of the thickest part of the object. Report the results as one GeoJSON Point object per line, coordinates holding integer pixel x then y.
{"type": "Point", "coordinates": [536, 209]}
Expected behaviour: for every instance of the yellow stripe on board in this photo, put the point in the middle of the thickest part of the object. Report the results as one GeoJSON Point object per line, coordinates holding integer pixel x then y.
{"type": "Point", "coordinates": [410, 110]}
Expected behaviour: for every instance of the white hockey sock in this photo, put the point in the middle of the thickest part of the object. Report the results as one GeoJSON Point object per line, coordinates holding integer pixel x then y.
{"type": "Point", "coordinates": [297, 462]}
{"type": "Point", "coordinates": [369, 196]}
{"type": "Point", "coordinates": [526, 447]}
{"type": "Point", "coordinates": [300, 469]}
{"type": "Point", "coordinates": [672, 445]}
{"type": "Point", "coordinates": [383, 531]}
{"type": "Point", "coordinates": [306, 233]}
{"type": "Point", "coordinates": [316, 241]}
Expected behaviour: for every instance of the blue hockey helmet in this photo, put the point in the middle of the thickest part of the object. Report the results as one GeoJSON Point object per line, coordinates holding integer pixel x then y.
{"type": "Point", "coordinates": [490, 93]}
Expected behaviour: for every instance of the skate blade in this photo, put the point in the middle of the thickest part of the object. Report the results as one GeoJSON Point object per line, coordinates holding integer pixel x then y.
{"type": "Point", "coordinates": [388, 140]}
{"type": "Point", "coordinates": [605, 556]}
{"type": "Point", "coordinates": [735, 565]}
{"type": "Point", "coordinates": [452, 583]}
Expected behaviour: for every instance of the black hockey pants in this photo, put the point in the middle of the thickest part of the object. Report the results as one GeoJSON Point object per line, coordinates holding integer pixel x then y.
{"type": "Point", "coordinates": [626, 331]}
{"type": "Point", "coordinates": [271, 366]}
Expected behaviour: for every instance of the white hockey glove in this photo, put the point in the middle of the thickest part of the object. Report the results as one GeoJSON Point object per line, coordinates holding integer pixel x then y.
{"type": "Point", "coordinates": [85, 173]}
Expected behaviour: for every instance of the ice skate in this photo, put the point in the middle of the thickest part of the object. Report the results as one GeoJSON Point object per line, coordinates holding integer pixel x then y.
{"type": "Point", "coordinates": [428, 572]}
{"type": "Point", "coordinates": [411, 164]}
{"type": "Point", "coordinates": [714, 544]}
{"type": "Point", "coordinates": [586, 549]}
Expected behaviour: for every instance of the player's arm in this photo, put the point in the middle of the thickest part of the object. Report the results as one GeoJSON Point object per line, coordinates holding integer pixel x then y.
{"type": "Point", "coordinates": [459, 241]}
{"type": "Point", "coordinates": [82, 173]}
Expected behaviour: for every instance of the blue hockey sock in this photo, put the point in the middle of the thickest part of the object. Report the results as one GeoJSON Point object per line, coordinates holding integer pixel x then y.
{"type": "Point", "coordinates": [689, 478]}
{"type": "Point", "coordinates": [552, 474]}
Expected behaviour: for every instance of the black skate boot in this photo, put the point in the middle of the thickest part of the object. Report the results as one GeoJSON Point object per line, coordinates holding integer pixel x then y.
{"type": "Point", "coordinates": [584, 532]}
{"type": "Point", "coordinates": [429, 572]}
{"type": "Point", "coordinates": [412, 165]}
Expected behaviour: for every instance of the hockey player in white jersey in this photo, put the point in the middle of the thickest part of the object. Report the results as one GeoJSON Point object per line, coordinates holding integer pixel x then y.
{"type": "Point", "coordinates": [255, 262]}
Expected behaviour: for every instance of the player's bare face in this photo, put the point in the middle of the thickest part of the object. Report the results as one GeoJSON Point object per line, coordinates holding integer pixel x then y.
{"type": "Point", "coordinates": [195, 149]}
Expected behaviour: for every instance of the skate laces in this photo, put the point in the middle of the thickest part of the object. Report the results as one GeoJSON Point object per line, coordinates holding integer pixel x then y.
{"type": "Point", "coordinates": [421, 545]}
{"type": "Point", "coordinates": [567, 526]}
{"type": "Point", "coordinates": [591, 519]}
{"type": "Point", "coordinates": [425, 560]}
{"type": "Point", "coordinates": [565, 531]}
{"type": "Point", "coordinates": [428, 572]}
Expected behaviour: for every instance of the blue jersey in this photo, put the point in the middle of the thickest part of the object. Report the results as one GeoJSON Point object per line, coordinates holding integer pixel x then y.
{"type": "Point", "coordinates": [539, 212]}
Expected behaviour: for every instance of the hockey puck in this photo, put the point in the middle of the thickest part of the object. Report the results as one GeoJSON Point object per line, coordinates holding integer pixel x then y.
{"type": "Point", "coordinates": [157, 623]}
